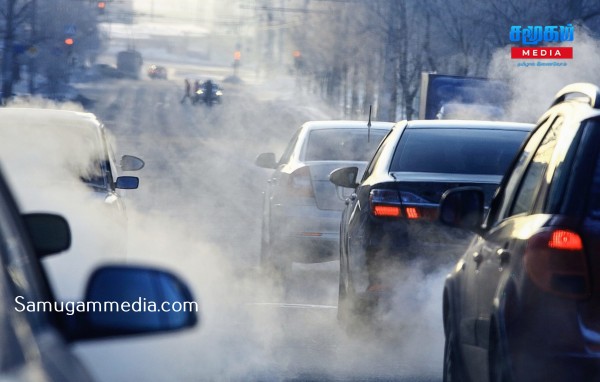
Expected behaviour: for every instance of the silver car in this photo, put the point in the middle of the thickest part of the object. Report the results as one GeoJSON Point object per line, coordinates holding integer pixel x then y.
{"type": "Point", "coordinates": [302, 208]}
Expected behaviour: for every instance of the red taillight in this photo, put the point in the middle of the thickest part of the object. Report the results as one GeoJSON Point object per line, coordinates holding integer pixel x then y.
{"type": "Point", "coordinates": [386, 211]}
{"type": "Point", "coordinates": [567, 240]}
{"type": "Point", "coordinates": [385, 203]}
{"type": "Point", "coordinates": [300, 183]}
{"type": "Point", "coordinates": [412, 213]}
{"type": "Point", "coordinates": [556, 262]}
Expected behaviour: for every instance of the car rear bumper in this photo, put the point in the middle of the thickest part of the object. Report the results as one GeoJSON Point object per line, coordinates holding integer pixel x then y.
{"type": "Point", "coordinates": [306, 233]}
{"type": "Point", "coordinates": [571, 367]}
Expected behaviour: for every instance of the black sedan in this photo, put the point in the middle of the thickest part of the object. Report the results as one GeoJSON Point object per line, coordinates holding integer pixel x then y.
{"type": "Point", "coordinates": [391, 219]}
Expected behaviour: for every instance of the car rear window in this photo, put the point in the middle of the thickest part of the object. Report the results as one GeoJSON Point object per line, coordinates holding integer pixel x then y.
{"type": "Point", "coordinates": [342, 144]}
{"type": "Point", "coordinates": [457, 151]}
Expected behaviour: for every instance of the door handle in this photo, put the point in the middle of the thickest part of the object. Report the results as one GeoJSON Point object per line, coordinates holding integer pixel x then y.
{"type": "Point", "coordinates": [503, 256]}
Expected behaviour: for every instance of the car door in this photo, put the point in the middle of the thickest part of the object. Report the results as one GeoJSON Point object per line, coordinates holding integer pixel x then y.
{"type": "Point", "coordinates": [516, 221]}
{"type": "Point", "coordinates": [30, 347]}
{"type": "Point", "coordinates": [355, 224]}
{"type": "Point", "coordinates": [270, 196]}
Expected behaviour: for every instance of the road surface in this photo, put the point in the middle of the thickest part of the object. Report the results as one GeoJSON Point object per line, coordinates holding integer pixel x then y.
{"type": "Point", "coordinates": [197, 212]}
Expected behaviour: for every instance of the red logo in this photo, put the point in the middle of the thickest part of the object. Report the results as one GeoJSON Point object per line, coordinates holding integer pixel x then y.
{"type": "Point", "coordinates": [542, 53]}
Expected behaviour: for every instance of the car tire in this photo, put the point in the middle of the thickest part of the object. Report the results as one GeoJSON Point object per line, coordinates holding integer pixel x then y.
{"type": "Point", "coordinates": [350, 318]}
{"type": "Point", "coordinates": [273, 262]}
{"type": "Point", "coordinates": [453, 367]}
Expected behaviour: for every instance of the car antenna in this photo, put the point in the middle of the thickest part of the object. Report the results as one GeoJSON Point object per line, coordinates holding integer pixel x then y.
{"type": "Point", "coordinates": [369, 126]}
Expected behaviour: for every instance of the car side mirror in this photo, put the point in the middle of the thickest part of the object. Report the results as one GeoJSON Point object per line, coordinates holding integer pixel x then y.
{"type": "Point", "coordinates": [125, 300]}
{"type": "Point", "coordinates": [463, 207]}
{"type": "Point", "coordinates": [344, 177]}
{"type": "Point", "coordinates": [131, 163]}
{"type": "Point", "coordinates": [127, 182]}
{"type": "Point", "coordinates": [49, 233]}
{"type": "Point", "coordinates": [266, 160]}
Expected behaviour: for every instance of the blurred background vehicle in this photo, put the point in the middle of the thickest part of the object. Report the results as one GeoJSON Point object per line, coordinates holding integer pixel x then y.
{"type": "Point", "coordinates": [34, 341]}
{"type": "Point", "coordinates": [68, 155]}
{"type": "Point", "coordinates": [390, 220]}
{"type": "Point", "coordinates": [301, 208]}
{"type": "Point", "coordinates": [525, 296]}
{"type": "Point", "coordinates": [208, 93]}
{"type": "Point", "coordinates": [157, 72]}
{"type": "Point", "coordinates": [130, 62]}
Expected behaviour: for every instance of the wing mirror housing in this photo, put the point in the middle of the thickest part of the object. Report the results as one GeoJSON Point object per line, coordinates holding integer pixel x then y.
{"type": "Point", "coordinates": [344, 177]}
{"type": "Point", "coordinates": [463, 207]}
{"type": "Point", "coordinates": [49, 233]}
{"type": "Point", "coordinates": [124, 300]}
{"type": "Point", "coordinates": [266, 160]}
{"type": "Point", "coordinates": [131, 163]}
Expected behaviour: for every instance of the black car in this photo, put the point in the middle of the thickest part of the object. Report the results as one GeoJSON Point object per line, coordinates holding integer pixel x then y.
{"type": "Point", "coordinates": [523, 303]}
{"type": "Point", "coordinates": [35, 329]}
{"type": "Point", "coordinates": [391, 219]}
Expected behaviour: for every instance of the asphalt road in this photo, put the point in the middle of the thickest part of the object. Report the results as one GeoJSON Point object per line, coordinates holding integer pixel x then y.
{"type": "Point", "coordinates": [197, 212]}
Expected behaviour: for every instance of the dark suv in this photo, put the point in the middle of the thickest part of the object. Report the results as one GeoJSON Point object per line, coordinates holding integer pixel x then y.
{"type": "Point", "coordinates": [523, 303]}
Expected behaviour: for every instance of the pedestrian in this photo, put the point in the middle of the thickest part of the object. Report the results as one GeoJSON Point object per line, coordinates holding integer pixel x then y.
{"type": "Point", "coordinates": [188, 89]}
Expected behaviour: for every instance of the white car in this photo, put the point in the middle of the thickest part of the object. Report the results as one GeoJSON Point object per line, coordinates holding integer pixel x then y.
{"type": "Point", "coordinates": [61, 161]}
{"type": "Point", "coordinates": [302, 208]}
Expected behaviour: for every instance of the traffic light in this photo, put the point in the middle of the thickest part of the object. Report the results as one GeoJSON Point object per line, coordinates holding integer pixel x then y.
{"type": "Point", "coordinates": [69, 41]}
{"type": "Point", "coordinates": [237, 55]}
{"type": "Point", "coordinates": [297, 59]}
{"type": "Point", "coordinates": [101, 6]}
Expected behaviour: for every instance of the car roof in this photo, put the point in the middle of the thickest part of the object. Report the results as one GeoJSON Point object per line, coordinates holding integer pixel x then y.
{"type": "Point", "coordinates": [30, 113]}
{"type": "Point", "coordinates": [341, 124]}
{"type": "Point", "coordinates": [10, 115]}
{"type": "Point", "coordinates": [465, 124]}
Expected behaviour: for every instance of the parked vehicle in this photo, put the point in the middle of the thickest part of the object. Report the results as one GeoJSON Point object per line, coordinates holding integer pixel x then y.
{"type": "Point", "coordinates": [390, 219]}
{"type": "Point", "coordinates": [301, 208]}
{"type": "Point", "coordinates": [34, 342]}
{"type": "Point", "coordinates": [523, 302]}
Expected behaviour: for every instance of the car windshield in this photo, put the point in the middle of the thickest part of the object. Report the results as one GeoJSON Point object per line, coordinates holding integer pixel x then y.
{"type": "Point", "coordinates": [456, 151]}
{"type": "Point", "coordinates": [342, 144]}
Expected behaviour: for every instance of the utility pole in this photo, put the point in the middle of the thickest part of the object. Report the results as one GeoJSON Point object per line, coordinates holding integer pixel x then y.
{"type": "Point", "coordinates": [8, 56]}
{"type": "Point", "coordinates": [32, 51]}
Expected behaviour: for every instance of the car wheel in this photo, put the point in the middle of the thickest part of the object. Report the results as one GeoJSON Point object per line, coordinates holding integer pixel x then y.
{"type": "Point", "coordinates": [453, 371]}
{"type": "Point", "coordinates": [273, 262]}
{"type": "Point", "coordinates": [498, 362]}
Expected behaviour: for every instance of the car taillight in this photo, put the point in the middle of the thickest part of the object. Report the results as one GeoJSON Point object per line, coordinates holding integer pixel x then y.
{"type": "Point", "coordinates": [391, 203]}
{"type": "Point", "coordinates": [390, 211]}
{"type": "Point", "coordinates": [300, 183]}
{"type": "Point", "coordinates": [412, 213]}
{"type": "Point", "coordinates": [555, 261]}
{"type": "Point", "coordinates": [385, 203]}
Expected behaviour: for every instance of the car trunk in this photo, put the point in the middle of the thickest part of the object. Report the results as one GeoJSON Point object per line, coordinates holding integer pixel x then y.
{"type": "Point", "coordinates": [431, 187]}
